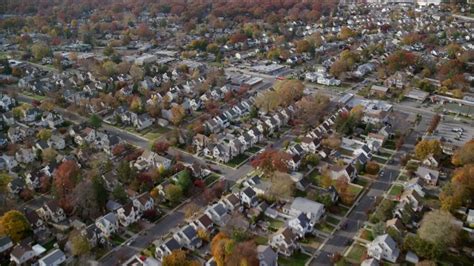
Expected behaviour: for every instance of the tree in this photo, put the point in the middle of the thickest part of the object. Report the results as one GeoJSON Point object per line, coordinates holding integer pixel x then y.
{"type": "Point", "coordinates": [427, 147]}
{"type": "Point", "coordinates": [137, 73]}
{"type": "Point", "coordinates": [65, 178]}
{"type": "Point", "coordinates": [190, 210]}
{"type": "Point", "coordinates": [221, 247]}
{"type": "Point", "coordinates": [125, 172]}
{"type": "Point", "coordinates": [49, 155]}
{"type": "Point", "coordinates": [85, 200]}
{"type": "Point", "coordinates": [79, 244]}
{"type": "Point", "coordinates": [400, 60]}
{"type": "Point", "coordinates": [271, 160]}
{"type": "Point", "coordinates": [310, 109]}
{"type": "Point", "coordinates": [372, 168]}
{"type": "Point", "coordinates": [177, 114]}
{"type": "Point", "coordinates": [434, 123]}
{"type": "Point", "coordinates": [173, 193]}
{"type": "Point", "coordinates": [346, 33]}
{"type": "Point", "coordinates": [119, 194]}
{"type": "Point", "coordinates": [453, 49]}
{"type": "Point", "coordinates": [40, 50]}
{"type": "Point", "coordinates": [161, 147]}
{"type": "Point", "coordinates": [184, 180]}
{"type": "Point", "coordinates": [178, 257]}
{"type": "Point", "coordinates": [44, 134]}
{"type": "Point", "coordinates": [281, 186]}
{"type": "Point", "coordinates": [109, 50]}
{"type": "Point", "coordinates": [302, 46]}
{"type": "Point", "coordinates": [101, 193]}
{"type": "Point", "coordinates": [95, 121]}
{"type": "Point", "coordinates": [464, 155]}
{"type": "Point", "coordinates": [439, 228]}
{"type": "Point", "coordinates": [325, 180]}
{"type": "Point", "coordinates": [14, 224]}
{"type": "Point", "coordinates": [421, 247]}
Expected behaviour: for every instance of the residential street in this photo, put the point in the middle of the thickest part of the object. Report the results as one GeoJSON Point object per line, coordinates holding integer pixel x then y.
{"type": "Point", "coordinates": [356, 219]}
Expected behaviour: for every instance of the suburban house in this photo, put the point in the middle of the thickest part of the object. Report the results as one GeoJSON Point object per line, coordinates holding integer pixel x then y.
{"type": "Point", "coordinates": [188, 237]}
{"type": "Point", "coordinates": [313, 210]}
{"type": "Point", "coordinates": [231, 201]}
{"type": "Point", "coordinates": [301, 225]}
{"type": "Point", "coordinates": [166, 248]}
{"type": "Point", "coordinates": [217, 213]}
{"type": "Point", "coordinates": [51, 211]}
{"type": "Point", "coordinates": [152, 159]}
{"type": "Point", "coordinates": [347, 172]}
{"type": "Point", "coordinates": [429, 176]}
{"type": "Point", "coordinates": [144, 202]}
{"type": "Point", "coordinates": [107, 224]}
{"type": "Point", "coordinates": [248, 196]}
{"type": "Point", "coordinates": [284, 241]}
{"type": "Point", "coordinates": [204, 222]}
{"type": "Point", "coordinates": [5, 244]}
{"type": "Point", "coordinates": [127, 214]}
{"type": "Point", "coordinates": [53, 258]}
{"type": "Point", "coordinates": [266, 256]}
{"type": "Point", "coordinates": [22, 253]}
{"type": "Point", "coordinates": [383, 247]}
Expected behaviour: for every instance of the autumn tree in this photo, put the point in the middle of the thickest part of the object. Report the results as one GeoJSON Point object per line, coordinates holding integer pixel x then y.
{"type": "Point", "coordinates": [44, 134]}
{"type": "Point", "coordinates": [284, 93]}
{"type": "Point", "coordinates": [190, 210]}
{"type": "Point", "coordinates": [79, 244]}
{"type": "Point", "coordinates": [65, 178]}
{"type": "Point", "coordinates": [178, 257]}
{"type": "Point", "coordinates": [271, 160]}
{"type": "Point", "coordinates": [434, 123]}
{"type": "Point", "coordinates": [464, 155]}
{"type": "Point", "coordinates": [439, 228]}
{"type": "Point", "coordinates": [177, 114]}
{"type": "Point", "coordinates": [137, 73]}
{"type": "Point", "coordinates": [311, 109]}
{"type": "Point", "coordinates": [40, 50]}
{"type": "Point", "coordinates": [161, 147]}
{"type": "Point", "coordinates": [85, 200]}
{"type": "Point", "coordinates": [400, 60]}
{"type": "Point", "coordinates": [427, 147]}
{"type": "Point", "coordinates": [14, 224]}
{"type": "Point", "coordinates": [346, 33]}
{"type": "Point", "coordinates": [173, 193]}
{"type": "Point", "coordinates": [221, 248]}
{"type": "Point", "coordinates": [125, 172]}
{"type": "Point", "coordinates": [372, 168]}
{"type": "Point", "coordinates": [302, 46]}
{"type": "Point", "coordinates": [281, 186]}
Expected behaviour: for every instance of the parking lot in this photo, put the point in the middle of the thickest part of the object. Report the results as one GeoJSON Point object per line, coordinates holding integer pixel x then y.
{"type": "Point", "coordinates": [445, 130]}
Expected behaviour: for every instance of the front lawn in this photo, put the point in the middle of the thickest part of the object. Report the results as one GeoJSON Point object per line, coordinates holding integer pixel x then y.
{"type": "Point", "coordinates": [367, 234]}
{"type": "Point", "coordinates": [211, 178]}
{"type": "Point", "coordinates": [297, 259]}
{"type": "Point", "coordinates": [260, 240]}
{"type": "Point", "coordinates": [379, 159]}
{"type": "Point", "coordinates": [117, 239]}
{"type": "Point", "coordinates": [339, 210]}
{"type": "Point", "coordinates": [362, 181]}
{"type": "Point", "coordinates": [254, 149]}
{"type": "Point", "coordinates": [237, 160]}
{"type": "Point", "coordinates": [332, 220]}
{"type": "Point", "coordinates": [389, 144]}
{"type": "Point", "coordinates": [324, 227]}
{"type": "Point", "coordinates": [356, 254]}
{"type": "Point", "coordinates": [275, 224]}
{"type": "Point", "coordinates": [396, 190]}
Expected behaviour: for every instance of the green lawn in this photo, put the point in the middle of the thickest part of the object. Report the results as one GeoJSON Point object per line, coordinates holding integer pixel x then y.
{"type": "Point", "coordinates": [34, 96]}
{"type": "Point", "coordinates": [356, 253]}
{"type": "Point", "coordinates": [403, 178]}
{"type": "Point", "coordinates": [254, 149]}
{"type": "Point", "coordinates": [379, 160]}
{"type": "Point", "coordinates": [332, 220]}
{"type": "Point", "coordinates": [275, 224]}
{"type": "Point", "coordinates": [324, 227]}
{"type": "Point", "coordinates": [396, 190]}
{"type": "Point", "coordinates": [260, 240]}
{"type": "Point", "coordinates": [355, 189]}
{"type": "Point", "coordinates": [367, 235]}
{"type": "Point", "coordinates": [154, 133]}
{"type": "Point", "coordinates": [389, 144]}
{"type": "Point", "coordinates": [210, 179]}
{"type": "Point", "coordinates": [237, 160]}
{"type": "Point", "coordinates": [117, 239]}
{"type": "Point", "coordinates": [362, 182]}
{"type": "Point", "coordinates": [298, 259]}
{"type": "Point", "coordinates": [339, 210]}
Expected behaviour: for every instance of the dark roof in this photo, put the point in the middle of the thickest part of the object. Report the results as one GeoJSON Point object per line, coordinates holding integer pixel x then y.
{"type": "Point", "coordinates": [5, 240]}
{"type": "Point", "coordinates": [205, 220]}
{"type": "Point", "coordinates": [249, 192]}
{"type": "Point", "coordinates": [172, 244]}
{"type": "Point", "coordinates": [189, 232]}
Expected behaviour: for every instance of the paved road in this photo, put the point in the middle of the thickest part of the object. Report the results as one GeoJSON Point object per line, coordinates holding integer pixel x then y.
{"type": "Point", "coordinates": [142, 240]}
{"type": "Point", "coordinates": [339, 241]}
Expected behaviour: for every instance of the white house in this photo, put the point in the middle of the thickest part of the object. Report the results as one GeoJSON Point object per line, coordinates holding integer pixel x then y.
{"type": "Point", "coordinates": [152, 159]}
{"type": "Point", "coordinates": [107, 224]}
{"type": "Point", "coordinates": [53, 258]}
{"type": "Point", "coordinates": [188, 238]}
{"type": "Point", "coordinates": [284, 241]}
{"type": "Point", "coordinates": [301, 225]}
{"type": "Point", "coordinates": [312, 209]}
{"type": "Point", "coordinates": [166, 248]}
{"type": "Point", "coordinates": [383, 247]}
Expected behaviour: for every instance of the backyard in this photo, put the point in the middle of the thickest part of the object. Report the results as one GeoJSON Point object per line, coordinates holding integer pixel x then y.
{"type": "Point", "coordinates": [297, 259]}
{"type": "Point", "coordinates": [356, 253]}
